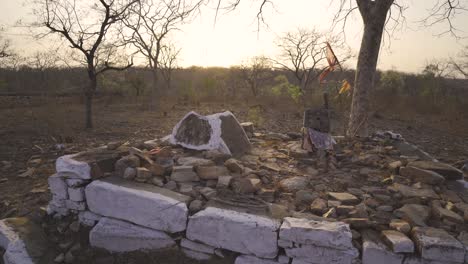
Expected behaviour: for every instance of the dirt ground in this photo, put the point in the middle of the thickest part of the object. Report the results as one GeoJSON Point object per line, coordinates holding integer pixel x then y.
{"type": "Point", "coordinates": [34, 133]}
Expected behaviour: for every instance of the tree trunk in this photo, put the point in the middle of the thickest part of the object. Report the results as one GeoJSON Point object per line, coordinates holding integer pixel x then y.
{"type": "Point", "coordinates": [374, 23]}
{"type": "Point", "coordinates": [89, 93]}
{"type": "Point", "coordinates": [154, 90]}
{"type": "Point", "coordinates": [89, 110]}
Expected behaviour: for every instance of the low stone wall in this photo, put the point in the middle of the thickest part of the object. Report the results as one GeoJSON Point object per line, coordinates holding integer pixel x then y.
{"type": "Point", "coordinates": [129, 216]}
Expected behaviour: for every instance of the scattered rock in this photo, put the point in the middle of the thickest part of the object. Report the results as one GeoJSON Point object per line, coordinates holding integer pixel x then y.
{"type": "Point", "coordinates": [130, 173]}
{"type": "Point", "coordinates": [184, 174]}
{"type": "Point", "coordinates": [195, 206]}
{"type": "Point", "coordinates": [194, 162]}
{"type": "Point", "coordinates": [400, 225]}
{"type": "Point", "coordinates": [397, 241]}
{"type": "Point", "coordinates": [410, 192]}
{"type": "Point", "coordinates": [294, 184]}
{"type": "Point", "coordinates": [143, 174]}
{"type": "Point", "coordinates": [437, 245]}
{"type": "Point", "coordinates": [233, 165]}
{"type": "Point", "coordinates": [415, 214]}
{"type": "Point", "coordinates": [318, 206]}
{"type": "Point", "coordinates": [344, 198]}
{"type": "Point", "coordinates": [211, 172]}
{"type": "Point", "coordinates": [123, 163]}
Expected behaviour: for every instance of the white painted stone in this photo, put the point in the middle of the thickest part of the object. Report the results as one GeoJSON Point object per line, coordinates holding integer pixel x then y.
{"type": "Point", "coordinates": [68, 164]}
{"type": "Point", "coordinates": [236, 231]}
{"type": "Point", "coordinates": [58, 187]}
{"type": "Point", "coordinates": [185, 243]}
{"type": "Point", "coordinates": [88, 218]}
{"type": "Point", "coordinates": [419, 260]}
{"type": "Point", "coordinates": [320, 233]}
{"type": "Point", "coordinates": [120, 236]}
{"type": "Point", "coordinates": [77, 206]}
{"type": "Point", "coordinates": [200, 256]}
{"type": "Point", "coordinates": [285, 243]}
{"type": "Point", "coordinates": [16, 253]}
{"type": "Point", "coordinates": [375, 251]}
{"type": "Point", "coordinates": [438, 245]}
{"type": "Point", "coordinates": [76, 194]}
{"type": "Point", "coordinates": [141, 204]}
{"type": "Point", "coordinates": [216, 141]}
{"type": "Point", "coordinates": [283, 259]}
{"type": "Point", "coordinates": [323, 255]}
{"type": "Point", "coordinates": [245, 259]}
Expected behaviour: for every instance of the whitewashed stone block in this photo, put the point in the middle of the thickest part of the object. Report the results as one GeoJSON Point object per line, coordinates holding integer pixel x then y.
{"type": "Point", "coordinates": [320, 233]}
{"type": "Point", "coordinates": [142, 204]}
{"type": "Point", "coordinates": [236, 231]}
{"type": "Point", "coordinates": [68, 164]}
{"type": "Point", "coordinates": [76, 194]}
{"type": "Point", "coordinates": [322, 255]}
{"type": "Point", "coordinates": [375, 251]}
{"type": "Point", "coordinates": [119, 236]}
{"type": "Point", "coordinates": [58, 187]}
{"type": "Point", "coordinates": [77, 206]}
{"type": "Point", "coordinates": [196, 255]}
{"type": "Point", "coordinates": [438, 245]}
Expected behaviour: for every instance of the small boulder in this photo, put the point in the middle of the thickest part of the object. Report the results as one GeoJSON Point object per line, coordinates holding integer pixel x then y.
{"type": "Point", "coordinates": [294, 184]}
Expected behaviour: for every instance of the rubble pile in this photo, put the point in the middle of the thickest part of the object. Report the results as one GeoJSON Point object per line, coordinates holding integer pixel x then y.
{"type": "Point", "coordinates": [260, 195]}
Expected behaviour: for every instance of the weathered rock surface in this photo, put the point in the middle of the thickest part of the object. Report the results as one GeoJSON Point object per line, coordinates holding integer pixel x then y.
{"type": "Point", "coordinates": [410, 192]}
{"type": "Point", "coordinates": [398, 241]}
{"type": "Point", "coordinates": [219, 131]}
{"type": "Point", "coordinates": [415, 214]}
{"type": "Point", "coordinates": [184, 174]}
{"type": "Point", "coordinates": [294, 184]}
{"type": "Point", "coordinates": [449, 172]}
{"type": "Point", "coordinates": [120, 236]}
{"type": "Point", "coordinates": [142, 204]}
{"type": "Point", "coordinates": [58, 187]}
{"type": "Point", "coordinates": [236, 231]}
{"type": "Point", "coordinates": [90, 164]}
{"type": "Point", "coordinates": [344, 198]}
{"type": "Point", "coordinates": [437, 245]}
{"type": "Point", "coordinates": [375, 251]}
{"type": "Point", "coordinates": [245, 259]}
{"type": "Point", "coordinates": [194, 162]}
{"type": "Point", "coordinates": [211, 172]}
{"type": "Point", "coordinates": [423, 176]}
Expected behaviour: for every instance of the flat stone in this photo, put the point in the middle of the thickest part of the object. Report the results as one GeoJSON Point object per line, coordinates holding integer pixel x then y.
{"type": "Point", "coordinates": [234, 165]}
{"type": "Point", "coordinates": [211, 172]}
{"type": "Point", "coordinates": [184, 174]}
{"type": "Point", "coordinates": [219, 131]}
{"type": "Point", "coordinates": [463, 238]}
{"type": "Point", "coordinates": [375, 251]}
{"type": "Point", "coordinates": [322, 255]}
{"type": "Point", "coordinates": [442, 213]}
{"type": "Point", "coordinates": [142, 204]}
{"type": "Point", "coordinates": [423, 176]}
{"type": "Point", "coordinates": [194, 162]}
{"type": "Point", "coordinates": [245, 259]}
{"type": "Point", "coordinates": [410, 192]}
{"type": "Point", "coordinates": [450, 173]}
{"type": "Point", "coordinates": [400, 225]}
{"type": "Point", "coordinates": [120, 236]}
{"type": "Point", "coordinates": [437, 244]}
{"type": "Point", "coordinates": [336, 235]}
{"type": "Point", "coordinates": [415, 214]}
{"type": "Point", "coordinates": [243, 186]}
{"type": "Point", "coordinates": [398, 241]}
{"type": "Point", "coordinates": [294, 184]}
{"type": "Point", "coordinates": [236, 231]}
{"type": "Point", "coordinates": [344, 198]}
{"type": "Point", "coordinates": [58, 186]}
{"type": "Point", "coordinates": [24, 241]}
{"type": "Point", "coordinates": [318, 206]}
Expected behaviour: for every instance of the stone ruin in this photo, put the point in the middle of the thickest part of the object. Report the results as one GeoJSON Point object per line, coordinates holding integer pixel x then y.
{"type": "Point", "coordinates": [215, 189]}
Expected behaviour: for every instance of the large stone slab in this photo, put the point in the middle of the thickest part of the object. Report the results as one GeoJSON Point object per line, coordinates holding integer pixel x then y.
{"type": "Point", "coordinates": [236, 231]}
{"type": "Point", "coordinates": [58, 187]}
{"type": "Point", "coordinates": [322, 255]}
{"type": "Point", "coordinates": [437, 245]}
{"type": "Point", "coordinates": [90, 164]}
{"type": "Point", "coordinates": [24, 242]}
{"type": "Point", "coordinates": [120, 236]}
{"type": "Point", "coordinates": [335, 235]}
{"type": "Point", "coordinates": [142, 204]}
{"type": "Point", "coordinates": [449, 172]}
{"type": "Point", "coordinates": [219, 131]}
{"type": "Point", "coordinates": [245, 259]}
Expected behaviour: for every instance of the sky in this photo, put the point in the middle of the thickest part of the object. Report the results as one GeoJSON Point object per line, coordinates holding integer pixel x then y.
{"type": "Point", "coordinates": [235, 36]}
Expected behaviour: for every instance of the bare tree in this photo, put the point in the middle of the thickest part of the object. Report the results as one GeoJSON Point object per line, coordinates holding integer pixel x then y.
{"type": "Point", "coordinates": [256, 72]}
{"type": "Point", "coordinates": [5, 46]}
{"type": "Point", "coordinates": [168, 62]}
{"type": "Point", "coordinates": [150, 23]}
{"type": "Point", "coordinates": [460, 65]}
{"type": "Point", "coordinates": [378, 16]}
{"type": "Point", "coordinates": [86, 26]}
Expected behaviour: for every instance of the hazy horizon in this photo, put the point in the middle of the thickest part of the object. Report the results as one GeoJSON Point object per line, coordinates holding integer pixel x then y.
{"type": "Point", "coordinates": [234, 37]}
